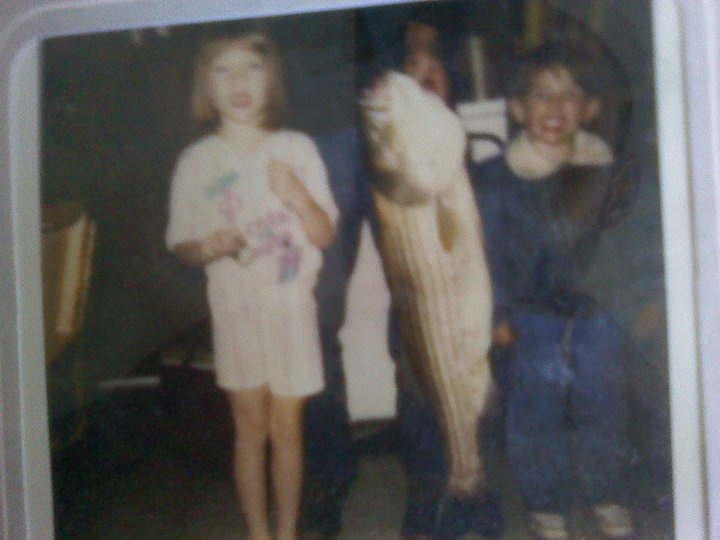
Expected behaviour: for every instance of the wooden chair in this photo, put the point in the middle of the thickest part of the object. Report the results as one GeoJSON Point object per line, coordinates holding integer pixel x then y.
{"type": "Point", "coordinates": [68, 237]}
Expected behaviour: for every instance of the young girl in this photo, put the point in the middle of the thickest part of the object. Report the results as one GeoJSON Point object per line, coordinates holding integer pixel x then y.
{"type": "Point", "coordinates": [251, 204]}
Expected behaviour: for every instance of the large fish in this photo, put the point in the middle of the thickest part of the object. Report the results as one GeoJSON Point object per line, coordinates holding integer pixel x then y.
{"type": "Point", "coordinates": [432, 252]}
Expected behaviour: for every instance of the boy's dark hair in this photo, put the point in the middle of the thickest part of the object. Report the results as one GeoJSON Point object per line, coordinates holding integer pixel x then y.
{"type": "Point", "coordinates": [586, 63]}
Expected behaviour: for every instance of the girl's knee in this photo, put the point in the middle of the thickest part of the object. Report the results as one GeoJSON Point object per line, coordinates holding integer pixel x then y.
{"type": "Point", "coordinates": [252, 427]}
{"type": "Point", "coordinates": [285, 424]}
{"type": "Point", "coordinates": [285, 435]}
{"type": "Point", "coordinates": [251, 415]}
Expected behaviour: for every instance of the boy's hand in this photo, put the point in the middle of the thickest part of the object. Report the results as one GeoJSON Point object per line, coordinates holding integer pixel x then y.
{"type": "Point", "coordinates": [286, 186]}
{"type": "Point", "coordinates": [221, 243]}
{"type": "Point", "coordinates": [504, 335]}
{"type": "Point", "coordinates": [649, 320]}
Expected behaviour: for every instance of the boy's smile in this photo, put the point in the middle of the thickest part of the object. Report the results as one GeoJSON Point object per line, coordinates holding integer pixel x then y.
{"type": "Point", "coordinates": [553, 110]}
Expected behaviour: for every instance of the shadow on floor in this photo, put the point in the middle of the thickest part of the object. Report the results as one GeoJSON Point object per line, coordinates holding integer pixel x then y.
{"type": "Point", "coordinates": [151, 465]}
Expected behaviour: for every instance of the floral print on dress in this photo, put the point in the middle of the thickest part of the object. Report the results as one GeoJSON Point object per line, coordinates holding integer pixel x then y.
{"type": "Point", "coordinates": [229, 202]}
{"type": "Point", "coordinates": [289, 260]}
{"type": "Point", "coordinates": [267, 234]}
{"type": "Point", "coordinates": [268, 237]}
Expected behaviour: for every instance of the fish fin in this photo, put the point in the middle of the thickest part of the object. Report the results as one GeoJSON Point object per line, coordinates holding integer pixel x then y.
{"type": "Point", "coordinates": [447, 224]}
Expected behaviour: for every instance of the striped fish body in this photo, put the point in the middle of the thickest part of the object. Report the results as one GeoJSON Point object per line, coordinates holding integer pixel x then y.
{"type": "Point", "coordinates": [432, 252]}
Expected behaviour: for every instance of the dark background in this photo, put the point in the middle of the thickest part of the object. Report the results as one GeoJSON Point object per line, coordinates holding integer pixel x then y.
{"type": "Point", "coordinates": [115, 115]}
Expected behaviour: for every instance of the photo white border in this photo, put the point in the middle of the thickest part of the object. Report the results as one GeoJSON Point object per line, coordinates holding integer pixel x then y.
{"type": "Point", "coordinates": [679, 269]}
{"type": "Point", "coordinates": [687, 47]}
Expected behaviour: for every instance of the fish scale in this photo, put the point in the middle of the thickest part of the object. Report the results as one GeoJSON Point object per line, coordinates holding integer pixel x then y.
{"type": "Point", "coordinates": [431, 248]}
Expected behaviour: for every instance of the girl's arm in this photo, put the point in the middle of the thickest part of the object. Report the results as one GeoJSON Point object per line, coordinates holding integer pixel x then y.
{"type": "Point", "coordinates": [286, 186]}
{"type": "Point", "coordinates": [216, 245]}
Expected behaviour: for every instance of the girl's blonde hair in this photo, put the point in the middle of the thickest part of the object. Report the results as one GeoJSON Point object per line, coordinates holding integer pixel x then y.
{"type": "Point", "coordinates": [257, 41]}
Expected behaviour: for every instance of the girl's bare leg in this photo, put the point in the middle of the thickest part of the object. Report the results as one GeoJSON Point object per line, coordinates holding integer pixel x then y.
{"type": "Point", "coordinates": [287, 462]}
{"type": "Point", "coordinates": [251, 415]}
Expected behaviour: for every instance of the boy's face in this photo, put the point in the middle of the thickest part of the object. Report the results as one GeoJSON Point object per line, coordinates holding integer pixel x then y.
{"type": "Point", "coordinates": [238, 84]}
{"type": "Point", "coordinates": [553, 110]}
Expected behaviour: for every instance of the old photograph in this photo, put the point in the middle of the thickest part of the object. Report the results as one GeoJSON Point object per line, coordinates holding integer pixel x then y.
{"type": "Point", "coordinates": [390, 272]}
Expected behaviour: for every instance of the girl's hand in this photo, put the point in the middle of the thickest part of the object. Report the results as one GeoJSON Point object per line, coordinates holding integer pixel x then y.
{"type": "Point", "coordinates": [221, 243]}
{"type": "Point", "coordinates": [286, 186]}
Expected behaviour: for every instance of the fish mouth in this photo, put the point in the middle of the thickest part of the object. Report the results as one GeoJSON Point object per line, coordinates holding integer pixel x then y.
{"type": "Point", "coordinates": [373, 104]}
{"type": "Point", "coordinates": [376, 98]}
{"type": "Point", "coordinates": [375, 107]}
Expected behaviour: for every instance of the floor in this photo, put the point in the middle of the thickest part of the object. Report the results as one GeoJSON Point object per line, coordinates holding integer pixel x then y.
{"type": "Point", "coordinates": [136, 473]}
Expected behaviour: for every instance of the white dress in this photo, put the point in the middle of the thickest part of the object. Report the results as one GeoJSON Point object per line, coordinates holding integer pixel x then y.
{"type": "Point", "coordinates": [264, 315]}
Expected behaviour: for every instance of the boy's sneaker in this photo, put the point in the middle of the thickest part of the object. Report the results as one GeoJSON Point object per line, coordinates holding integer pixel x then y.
{"type": "Point", "coordinates": [614, 521]}
{"type": "Point", "coordinates": [548, 526]}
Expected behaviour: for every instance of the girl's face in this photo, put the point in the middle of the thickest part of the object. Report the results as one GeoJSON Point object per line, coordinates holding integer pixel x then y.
{"type": "Point", "coordinates": [238, 86]}
{"type": "Point", "coordinates": [554, 109]}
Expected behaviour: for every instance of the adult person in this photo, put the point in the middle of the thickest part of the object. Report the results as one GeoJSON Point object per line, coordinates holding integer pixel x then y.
{"type": "Point", "coordinates": [331, 461]}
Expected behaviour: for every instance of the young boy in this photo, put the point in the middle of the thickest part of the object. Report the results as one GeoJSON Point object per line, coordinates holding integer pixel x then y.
{"type": "Point", "coordinates": [558, 355]}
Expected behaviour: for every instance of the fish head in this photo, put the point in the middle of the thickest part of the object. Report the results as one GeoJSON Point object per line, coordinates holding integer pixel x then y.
{"type": "Point", "coordinates": [415, 143]}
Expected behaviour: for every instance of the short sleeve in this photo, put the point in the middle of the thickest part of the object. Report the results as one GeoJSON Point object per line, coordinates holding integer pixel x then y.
{"type": "Point", "coordinates": [311, 170]}
{"type": "Point", "coordinates": [183, 203]}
